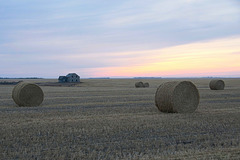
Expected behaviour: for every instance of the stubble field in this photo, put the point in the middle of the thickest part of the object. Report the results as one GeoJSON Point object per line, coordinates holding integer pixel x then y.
{"type": "Point", "coordinates": [111, 119]}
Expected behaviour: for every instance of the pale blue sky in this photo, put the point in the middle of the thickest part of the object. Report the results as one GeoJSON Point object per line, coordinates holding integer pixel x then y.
{"type": "Point", "coordinates": [48, 38]}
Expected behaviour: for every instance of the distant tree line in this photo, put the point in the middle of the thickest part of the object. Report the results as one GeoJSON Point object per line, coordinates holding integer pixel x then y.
{"type": "Point", "coordinates": [21, 78]}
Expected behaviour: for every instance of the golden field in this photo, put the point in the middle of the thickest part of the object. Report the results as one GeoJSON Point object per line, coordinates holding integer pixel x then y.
{"type": "Point", "coordinates": [111, 119]}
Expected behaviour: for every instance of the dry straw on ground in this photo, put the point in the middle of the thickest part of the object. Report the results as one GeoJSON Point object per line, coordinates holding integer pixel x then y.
{"type": "Point", "coordinates": [139, 84]}
{"type": "Point", "coordinates": [217, 84]}
{"type": "Point", "coordinates": [146, 85]}
{"type": "Point", "coordinates": [27, 94]}
{"type": "Point", "coordinates": [177, 97]}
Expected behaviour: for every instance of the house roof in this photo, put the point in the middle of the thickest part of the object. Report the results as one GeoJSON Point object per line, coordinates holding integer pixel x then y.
{"type": "Point", "coordinates": [62, 77]}
{"type": "Point", "coordinates": [71, 74]}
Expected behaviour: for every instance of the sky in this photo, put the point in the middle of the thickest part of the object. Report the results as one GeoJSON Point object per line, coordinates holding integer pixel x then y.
{"type": "Point", "coordinates": [127, 38]}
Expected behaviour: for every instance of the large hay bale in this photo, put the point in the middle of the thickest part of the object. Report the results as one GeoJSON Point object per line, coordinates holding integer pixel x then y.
{"type": "Point", "coordinates": [27, 94]}
{"type": "Point", "coordinates": [139, 84]}
{"type": "Point", "coordinates": [177, 97]}
{"type": "Point", "coordinates": [217, 84]}
{"type": "Point", "coordinates": [146, 84]}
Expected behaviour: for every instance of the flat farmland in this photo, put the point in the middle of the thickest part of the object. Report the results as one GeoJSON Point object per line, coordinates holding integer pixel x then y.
{"type": "Point", "coordinates": [111, 119]}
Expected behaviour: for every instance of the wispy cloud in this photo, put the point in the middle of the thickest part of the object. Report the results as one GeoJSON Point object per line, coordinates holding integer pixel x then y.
{"type": "Point", "coordinates": [194, 12]}
{"type": "Point", "coordinates": [210, 58]}
{"type": "Point", "coordinates": [202, 58]}
{"type": "Point", "coordinates": [100, 35]}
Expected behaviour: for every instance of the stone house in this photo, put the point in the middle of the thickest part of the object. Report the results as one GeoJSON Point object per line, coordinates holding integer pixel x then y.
{"type": "Point", "coordinates": [70, 78]}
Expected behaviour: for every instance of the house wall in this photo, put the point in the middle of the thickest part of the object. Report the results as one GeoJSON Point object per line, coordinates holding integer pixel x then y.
{"type": "Point", "coordinates": [62, 79]}
{"type": "Point", "coordinates": [73, 78]}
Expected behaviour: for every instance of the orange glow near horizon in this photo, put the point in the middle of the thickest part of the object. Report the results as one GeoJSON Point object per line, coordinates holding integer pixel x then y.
{"type": "Point", "coordinates": [196, 59]}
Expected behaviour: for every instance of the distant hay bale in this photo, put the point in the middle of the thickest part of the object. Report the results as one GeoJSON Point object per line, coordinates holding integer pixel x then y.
{"type": "Point", "coordinates": [177, 97]}
{"type": "Point", "coordinates": [217, 84]}
{"type": "Point", "coordinates": [27, 94]}
{"type": "Point", "coordinates": [139, 84]}
{"type": "Point", "coordinates": [146, 85]}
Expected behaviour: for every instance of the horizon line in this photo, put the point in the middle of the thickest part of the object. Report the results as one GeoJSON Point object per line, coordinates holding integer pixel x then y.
{"type": "Point", "coordinates": [144, 77]}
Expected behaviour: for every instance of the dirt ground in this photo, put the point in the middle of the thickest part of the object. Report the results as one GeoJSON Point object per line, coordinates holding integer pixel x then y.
{"type": "Point", "coordinates": [111, 119]}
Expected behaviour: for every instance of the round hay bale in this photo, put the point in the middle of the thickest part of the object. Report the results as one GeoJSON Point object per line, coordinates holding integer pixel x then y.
{"type": "Point", "coordinates": [177, 97]}
{"type": "Point", "coordinates": [139, 84]}
{"type": "Point", "coordinates": [146, 84]}
{"type": "Point", "coordinates": [217, 84]}
{"type": "Point", "coordinates": [27, 94]}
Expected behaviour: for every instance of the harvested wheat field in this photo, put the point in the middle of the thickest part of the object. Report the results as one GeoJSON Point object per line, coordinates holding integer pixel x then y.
{"type": "Point", "coordinates": [111, 119]}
